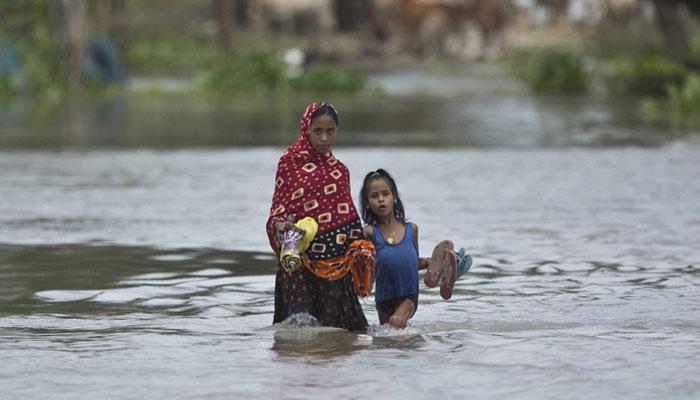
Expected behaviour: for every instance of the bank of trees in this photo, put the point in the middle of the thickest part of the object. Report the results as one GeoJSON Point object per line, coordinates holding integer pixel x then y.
{"type": "Point", "coordinates": [51, 35]}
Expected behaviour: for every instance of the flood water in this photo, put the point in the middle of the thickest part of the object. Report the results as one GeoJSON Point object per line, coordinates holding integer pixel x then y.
{"type": "Point", "coordinates": [133, 266]}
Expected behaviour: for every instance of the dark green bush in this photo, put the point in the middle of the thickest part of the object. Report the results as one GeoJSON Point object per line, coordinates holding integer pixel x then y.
{"type": "Point", "coordinates": [244, 71]}
{"type": "Point", "coordinates": [684, 102]}
{"type": "Point", "coordinates": [647, 75]}
{"type": "Point", "coordinates": [170, 54]}
{"type": "Point", "coordinates": [255, 71]}
{"type": "Point", "coordinates": [680, 107]}
{"type": "Point", "coordinates": [329, 78]}
{"type": "Point", "coordinates": [551, 71]}
{"type": "Point", "coordinates": [40, 60]}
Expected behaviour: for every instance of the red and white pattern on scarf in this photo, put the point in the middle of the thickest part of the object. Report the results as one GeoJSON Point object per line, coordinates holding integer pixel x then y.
{"type": "Point", "coordinates": [311, 184]}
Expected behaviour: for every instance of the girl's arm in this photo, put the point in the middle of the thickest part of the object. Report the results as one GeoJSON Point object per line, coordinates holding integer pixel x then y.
{"type": "Point", "coordinates": [422, 262]}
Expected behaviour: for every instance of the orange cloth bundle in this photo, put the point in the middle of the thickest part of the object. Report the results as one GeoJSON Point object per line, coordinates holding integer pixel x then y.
{"type": "Point", "coordinates": [359, 260]}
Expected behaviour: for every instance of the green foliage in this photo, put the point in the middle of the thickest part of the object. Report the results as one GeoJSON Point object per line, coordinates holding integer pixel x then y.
{"type": "Point", "coordinates": [243, 71]}
{"type": "Point", "coordinates": [8, 86]}
{"type": "Point", "coordinates": [329, 78]}
{"type": "Point", "coordinates": [11, 85]}
{"type": "Point", "coordinates": [169, 54]}
{"type": "Point", "coordinates": [695, 46]}
{"type": "Point", "coordinates": [18, 15]}
{"type": "Point", "coordinates": [246, 71]}
{"type": "Point", "coordinates": [551, 70]}
{"type": "Point", "coordinates": [651, 110]}
{"type": "Point", "coordinates": [40, 61]}
{"type": "Point", "coordinates": [684, 102]}
{"type": "Point", "coordinates": [647, 75]}
{"type": "Point", "coordinates": [681, 107]}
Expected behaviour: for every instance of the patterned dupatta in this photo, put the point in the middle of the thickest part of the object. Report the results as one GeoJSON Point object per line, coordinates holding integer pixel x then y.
{"type": "Point", "coordinates": [311, 184]}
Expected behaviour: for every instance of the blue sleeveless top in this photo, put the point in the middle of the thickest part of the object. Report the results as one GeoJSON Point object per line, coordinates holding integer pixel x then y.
{"type": "Point", "coordinates": [396, 266]}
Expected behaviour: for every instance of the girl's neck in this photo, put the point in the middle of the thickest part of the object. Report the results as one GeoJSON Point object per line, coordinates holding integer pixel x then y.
{"type": "Point", "coordinates": [391, 229]}
{"type": "Point", "coordinates": [388, 221]}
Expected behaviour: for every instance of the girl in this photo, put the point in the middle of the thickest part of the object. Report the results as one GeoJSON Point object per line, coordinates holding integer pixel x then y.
{"type": "Point", "coordinates": [396, 243]}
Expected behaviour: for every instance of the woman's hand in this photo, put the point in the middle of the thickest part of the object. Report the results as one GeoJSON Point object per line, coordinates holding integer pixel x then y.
{"type": "Point", "coordinates": [283, 226]}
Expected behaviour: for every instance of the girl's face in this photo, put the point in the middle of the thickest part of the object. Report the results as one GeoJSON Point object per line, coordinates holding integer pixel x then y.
{"type": "Point", "coordinates": [380, 198]}
{"type": "Point", "coordinates": [322, 132]}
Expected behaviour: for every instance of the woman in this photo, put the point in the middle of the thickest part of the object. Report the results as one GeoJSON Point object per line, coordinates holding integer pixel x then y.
{"type": "Point", "coordinates": [338, 265]}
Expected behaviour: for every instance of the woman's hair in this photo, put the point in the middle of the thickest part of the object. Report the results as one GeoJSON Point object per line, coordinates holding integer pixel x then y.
{"type": "Point", "coordinates": [367, 214]}
{"type": "Point", "coordinates": [325, 109]}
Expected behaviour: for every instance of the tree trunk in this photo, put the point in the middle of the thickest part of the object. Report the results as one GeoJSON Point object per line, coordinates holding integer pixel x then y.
{"type": "Point", "coordinates": [350, 14]}
{"type": "Point", "coordinates": [74, 28]}
{"type": "Point", "coordinates": [241, 12]}
{"type": "Point", "coordinates": [119, 27]}
{"type": "Point", "coordinates": [374, 25]}
{"type": "Point", "coordinates": [224, 15]}
{"type": "Point", "coordinates": [673, 27]}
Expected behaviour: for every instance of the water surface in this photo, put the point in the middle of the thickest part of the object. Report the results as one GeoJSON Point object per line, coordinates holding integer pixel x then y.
{"type": "Point", "coordinates": [146, 274]}
{"type": "Point", "coordinates": [134, 263]}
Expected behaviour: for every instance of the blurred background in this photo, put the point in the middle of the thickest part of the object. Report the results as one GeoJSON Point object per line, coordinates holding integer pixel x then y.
{"type": "Point", "coordinates": [173, 74]}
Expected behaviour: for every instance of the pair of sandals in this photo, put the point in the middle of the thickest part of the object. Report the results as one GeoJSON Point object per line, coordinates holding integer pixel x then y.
{"type": "Point", "coordinates": [446, 266]}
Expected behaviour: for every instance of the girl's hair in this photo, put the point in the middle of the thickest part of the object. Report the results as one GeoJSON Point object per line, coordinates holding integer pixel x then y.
{"type": "Point", "coordinates": [367, 214]}
{"type": "Point", "coordinates": [325, 109]}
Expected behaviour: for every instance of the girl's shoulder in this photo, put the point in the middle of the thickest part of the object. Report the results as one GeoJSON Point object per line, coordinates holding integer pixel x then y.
{"type": "Point", "coordinates": [414, 231]}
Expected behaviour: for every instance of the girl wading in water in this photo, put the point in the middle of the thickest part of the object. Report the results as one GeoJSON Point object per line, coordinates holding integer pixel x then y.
{"type": "Point", "coordinates": [397, 261]}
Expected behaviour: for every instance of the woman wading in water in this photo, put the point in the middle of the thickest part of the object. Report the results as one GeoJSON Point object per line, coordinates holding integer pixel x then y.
{"type": "Point", "coordinates": [338, 264]}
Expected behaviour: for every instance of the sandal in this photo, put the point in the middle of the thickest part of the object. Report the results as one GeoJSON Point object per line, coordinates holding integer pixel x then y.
{"type": "Point", "coordinates": [464, 262]}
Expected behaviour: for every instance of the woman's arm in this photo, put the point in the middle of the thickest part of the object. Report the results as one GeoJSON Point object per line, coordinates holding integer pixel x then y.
{"type": "Point", "coordinates": [282, 210]}
{"type": "Point", "coordinates": [369, 233]}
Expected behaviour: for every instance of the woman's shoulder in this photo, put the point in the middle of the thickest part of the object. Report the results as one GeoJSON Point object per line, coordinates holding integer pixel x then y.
{"type": "Point", "coordinates": [339, 165]}
{"type": "Point", "coordinates": [369, 232]}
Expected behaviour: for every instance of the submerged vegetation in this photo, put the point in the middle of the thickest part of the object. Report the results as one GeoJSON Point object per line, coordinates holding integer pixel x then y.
{"type": "Point", "coordinates": [245, 71]}
{"type": "Point", "coordinates": [328, 77]}
{"type": "Point", "coordinates": [629, 71]}
{"type": "Point", "coordinates": [647, 74]}
{"type": "Point", "coordinates": [173, 52]}
{"type": "Point", "coordinates": [550, 70]}
{"type": "Point", "coordinates": [667, 89]}
{"type": "Point", "coordinates": [680, 108]}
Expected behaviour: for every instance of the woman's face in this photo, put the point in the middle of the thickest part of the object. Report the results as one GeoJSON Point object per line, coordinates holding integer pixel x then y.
{"type": "Point", "coordinates": [323, 131]}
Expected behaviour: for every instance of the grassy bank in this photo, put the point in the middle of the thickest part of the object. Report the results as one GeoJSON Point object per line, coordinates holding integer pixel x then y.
{"type": "Point", "coordinates": [616, 64]}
